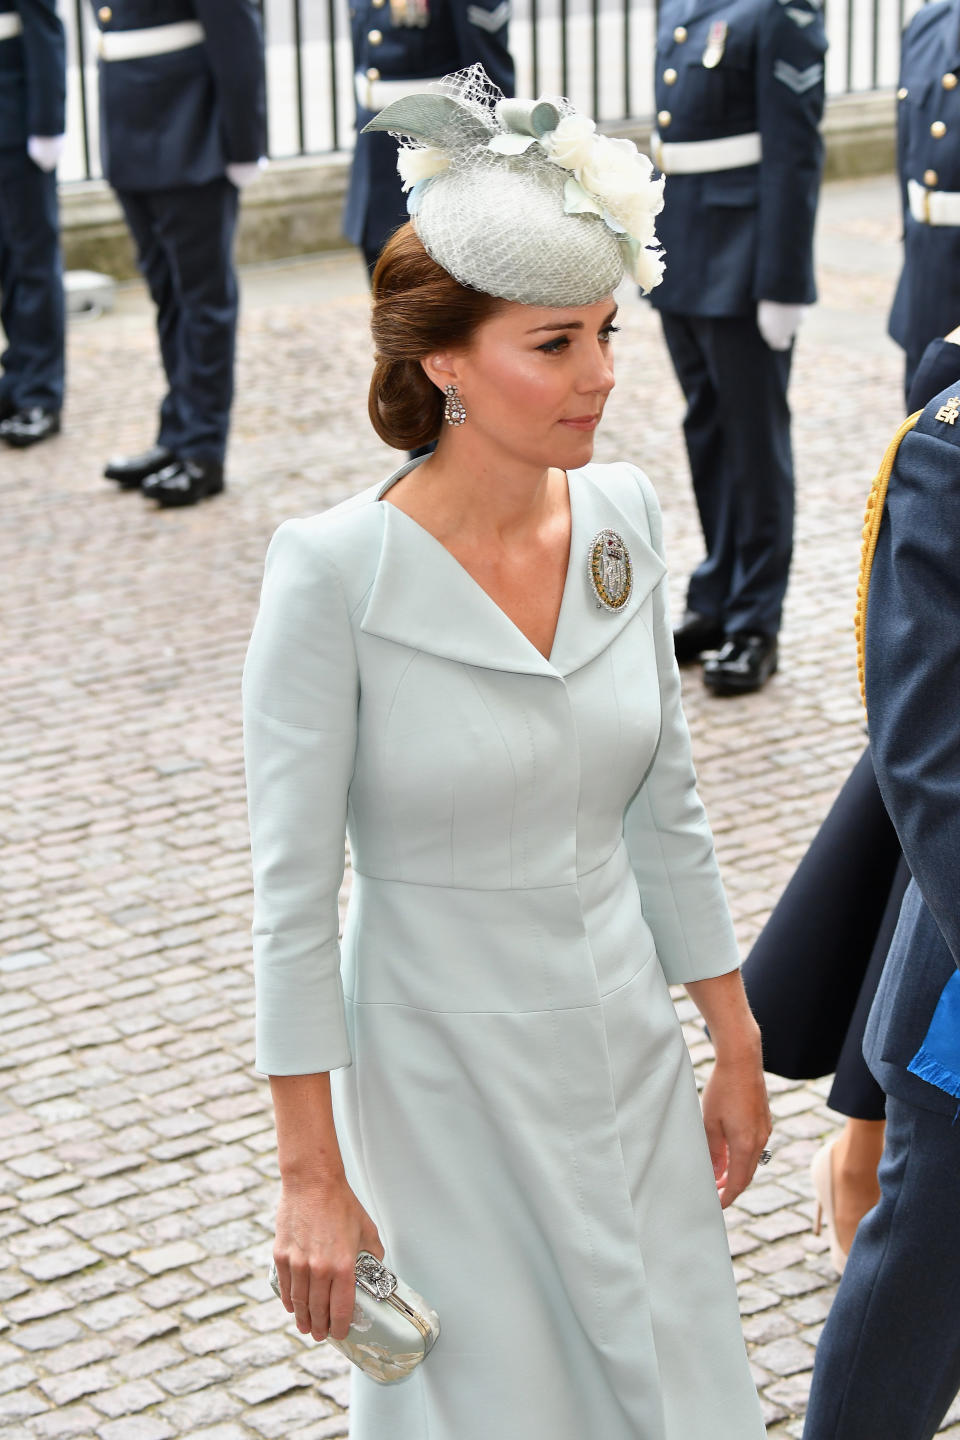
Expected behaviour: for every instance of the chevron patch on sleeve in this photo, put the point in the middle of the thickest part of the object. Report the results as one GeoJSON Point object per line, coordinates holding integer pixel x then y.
{"type": "Point", "coordinates": [799, 81]}
{"type": "Point", "coordinates": [490, 20]}
{"type": "Point", "coordinates": [803, 18]}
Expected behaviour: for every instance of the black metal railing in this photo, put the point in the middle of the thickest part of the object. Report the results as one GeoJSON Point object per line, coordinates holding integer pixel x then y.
{"type": "Point", "coordinates": [598, 52]}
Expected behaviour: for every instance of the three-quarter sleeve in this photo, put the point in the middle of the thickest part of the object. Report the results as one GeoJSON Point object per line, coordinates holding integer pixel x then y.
{"type": "Point", "coordinates": [666, 830]}
{"type": "Point", "coordinates": [300, 696]}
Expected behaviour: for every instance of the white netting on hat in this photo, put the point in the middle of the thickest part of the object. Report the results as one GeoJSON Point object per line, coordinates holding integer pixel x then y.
{"type": "Point", "coordinates": [522, 199]}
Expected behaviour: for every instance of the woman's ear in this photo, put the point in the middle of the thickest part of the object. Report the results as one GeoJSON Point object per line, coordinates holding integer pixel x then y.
{"type": "Point", "coordinates": [441, 367]}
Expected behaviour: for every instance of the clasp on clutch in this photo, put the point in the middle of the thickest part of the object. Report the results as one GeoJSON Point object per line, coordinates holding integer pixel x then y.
{"type": "Point", "coordinates": [374, 1277]}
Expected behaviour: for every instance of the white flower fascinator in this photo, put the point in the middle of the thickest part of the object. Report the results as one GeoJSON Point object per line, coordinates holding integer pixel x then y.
{"type": "Point", "coordinates": [523, 199]}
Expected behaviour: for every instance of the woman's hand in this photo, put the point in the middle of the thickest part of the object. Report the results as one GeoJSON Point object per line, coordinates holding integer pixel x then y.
{"type": "Point", "coordinates": [321, 1229]}
{"type": "Point", "coordinates": [736, 1114]}
{"type": "Point", "coordinates": [736, 1117]}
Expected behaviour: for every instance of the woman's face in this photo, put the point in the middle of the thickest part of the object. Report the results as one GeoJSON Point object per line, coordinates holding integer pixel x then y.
{"type": "Point", "coordinates": [535, 379]}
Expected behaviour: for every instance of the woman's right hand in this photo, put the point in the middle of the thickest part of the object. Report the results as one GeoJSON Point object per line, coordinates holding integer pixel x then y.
{"type": "Point", "coordinates": [321, 1229]}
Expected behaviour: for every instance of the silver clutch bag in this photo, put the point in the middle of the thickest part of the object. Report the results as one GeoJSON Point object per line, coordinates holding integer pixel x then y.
{"type": "Point", "coordinates": [393, 1327]}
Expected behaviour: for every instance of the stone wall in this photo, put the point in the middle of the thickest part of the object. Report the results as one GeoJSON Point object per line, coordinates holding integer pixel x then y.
{"type": "Point", "coordinates": [294, 207]}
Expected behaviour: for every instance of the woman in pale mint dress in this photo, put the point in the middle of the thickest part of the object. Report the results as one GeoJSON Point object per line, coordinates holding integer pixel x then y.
{"type": "Point", "coordinates": [468, 670]}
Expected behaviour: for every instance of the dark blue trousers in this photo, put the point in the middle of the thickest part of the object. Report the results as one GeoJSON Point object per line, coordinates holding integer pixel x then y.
{"type": "Point", "coordinates": [184, 241]}
{"type": "Point", "coordinates": [888, 1361]}
{"type": "Point", "coordinates": [31, 288]}
{"type": "Point", "coordinates": [737, 429]}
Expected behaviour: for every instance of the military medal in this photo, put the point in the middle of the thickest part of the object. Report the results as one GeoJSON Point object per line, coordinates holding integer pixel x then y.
{"type": "Point", "coordinates": [410, 14]}
{"type": "Point", "coordinates": [716, 43]}
{"type": "Point", "coordinates": [610, 571]}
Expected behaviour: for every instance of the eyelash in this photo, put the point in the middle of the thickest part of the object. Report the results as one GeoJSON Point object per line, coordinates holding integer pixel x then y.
{"type": "Point", "coordinates": [554, 347]}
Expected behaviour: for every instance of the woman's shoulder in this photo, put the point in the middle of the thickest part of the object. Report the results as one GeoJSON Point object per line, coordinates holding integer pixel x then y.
{"type": "Point", "coordinates": [632, 491]}
{"type": "Point", "coordinates": [339, 547]}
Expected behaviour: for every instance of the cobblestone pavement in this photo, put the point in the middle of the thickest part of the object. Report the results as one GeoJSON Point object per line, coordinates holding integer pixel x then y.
{"type": "Point", "coordinates": [137, 1172]}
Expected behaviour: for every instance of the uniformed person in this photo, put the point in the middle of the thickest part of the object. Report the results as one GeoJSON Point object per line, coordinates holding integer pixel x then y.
{"type": "Point", "coordinates": [888, 1360]}
{"type": "Point", "coordinates": [32, 95]}
{"type": "Point", "coordinates": [928, 162]}
{"type": "Point", "coordinates": [739, 93]}
{"type": "Point", "coordinates": [182, 127]}
{"type": "Point", "coordinates": [399, 46]}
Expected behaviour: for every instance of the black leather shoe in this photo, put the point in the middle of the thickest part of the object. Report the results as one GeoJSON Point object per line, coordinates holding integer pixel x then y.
{"type": "Point", "coordinates": [130, 471]}
{"type": "Point", "coordinates": [7, 408]}
{"type": "Point", "coordinates": [184, 483]}
{"type": "Point", "coordinates": [745, 662]}
{"type": "Point", "coordinates": [29, 427]}
{"type": "Point", "coordinates": [694, 634]}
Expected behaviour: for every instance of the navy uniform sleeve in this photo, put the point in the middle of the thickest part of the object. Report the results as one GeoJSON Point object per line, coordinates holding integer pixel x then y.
{"type": "Point", "coordinates": [913, 656]}
{"type": "Point", "coordinates": [481, 29]}
{"type": "Point", "coordinates": [45, 60]}
{"type": "Point", "coordinates": [790, 97]}
{"type": "Point", "coordinates": [939, 367]}
{"type": "Point", "coordinates": [234, 42]}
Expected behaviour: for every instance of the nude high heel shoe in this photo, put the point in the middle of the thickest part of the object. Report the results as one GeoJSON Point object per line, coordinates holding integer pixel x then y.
{"type": "Point", "coordinates": [821, 1175]}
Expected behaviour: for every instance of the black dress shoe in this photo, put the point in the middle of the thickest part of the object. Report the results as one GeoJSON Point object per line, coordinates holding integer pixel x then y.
{"type": "Point", "coordinates": [7, 408]}
{"type": "Point", "coordinates": [694, 634]}
{"type": "Point", "coordinates": [130, 471]}
{"type": "Point", "coordinates": [29, 427]}
{"type": "Point", "coordinates": [745, 662]}
{"type": "Point", "coordinates": [184, 483]}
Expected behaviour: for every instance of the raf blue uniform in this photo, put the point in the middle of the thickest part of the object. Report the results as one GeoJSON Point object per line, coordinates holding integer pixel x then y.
{"type": "Point", "coordinates": [450, 35]}
{"type": "Point", "coordinates": [32, 91]}
{"type": "Point", "coordinates": [171, 123]}
{"type": "Point", "coordinates": [739, 93]}
{"type": "Point", "coordinates": [888, 1362]}
{"type": "Point", "coordinates": [928, 162]}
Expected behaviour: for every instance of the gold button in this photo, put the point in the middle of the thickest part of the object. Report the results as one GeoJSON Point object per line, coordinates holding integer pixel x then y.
{"type": "Point", "coordinates": [669, 77]}
{"type": "Point", "coordinates": [663, 118]}
{"type": "Point", "coordinates": [373, 74]}
{"type": "Point", "coordinates": [949, 81]}
{"type": "Point", "coordinates": [938, 129]}
{"type": "Point", "coordinates": [105, 14]}
{"type": "Point", "coordinates": [379, 4]}
{"type": "Point", "coordinates": [375, 37]}
{"type": "Point", "coordinates": [680, 34]}
{"type": "Point", "coordinates": [902, 93]}
{"type": "Point", "coordinates": [930, 178]}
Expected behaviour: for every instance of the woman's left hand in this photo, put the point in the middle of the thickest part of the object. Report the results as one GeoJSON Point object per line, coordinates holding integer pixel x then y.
{"type": "Point", "coordinates": [736, 1117]}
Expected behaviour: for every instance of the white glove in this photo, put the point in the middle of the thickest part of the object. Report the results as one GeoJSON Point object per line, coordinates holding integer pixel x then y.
{"type": "Point", "coordinates": [240, 173]}
{"type": "Point", "coordinates": [778, 324]}
{"type": "Point", "coordinates": [45, 150]}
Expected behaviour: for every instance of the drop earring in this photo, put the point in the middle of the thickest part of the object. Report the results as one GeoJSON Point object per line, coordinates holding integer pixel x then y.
{"type": "Point", "coordinates": [454, 410]}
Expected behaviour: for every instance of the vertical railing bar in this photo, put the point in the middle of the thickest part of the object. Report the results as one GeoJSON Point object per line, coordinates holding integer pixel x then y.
{"type": "Point", "coordinates": [82, 67]}
{"type": "Point", "coordinates": [332, 45]}
{"type": "Point", "coordinates": [627, 94]}
{"type": "Point", "coordinates": [266, 108]}
{"type": "Point", "coordinates": [298, 73]}
{"type": "Point", "coordinates": [564, 58]}
{"type": "Point", "coordinates": [849, 46]}
{"type": "Point", "coordinates": [875, 56]}
{"type": "Point", "coordinates": [595, 58]}
{"type": "Point", "coordinates": [535, 45]}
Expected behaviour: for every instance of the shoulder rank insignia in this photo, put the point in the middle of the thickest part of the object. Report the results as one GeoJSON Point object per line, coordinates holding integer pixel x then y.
{"type": "Point", "coordinates": [949, 411]}
{"type": "Point", "coordinates": [716, 44]}
{"type": "Point", "coordinates": [871, 530]}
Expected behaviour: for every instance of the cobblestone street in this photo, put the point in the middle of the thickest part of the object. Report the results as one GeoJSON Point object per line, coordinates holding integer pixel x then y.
{"type": "Point", "coordinates": [137, 1169]}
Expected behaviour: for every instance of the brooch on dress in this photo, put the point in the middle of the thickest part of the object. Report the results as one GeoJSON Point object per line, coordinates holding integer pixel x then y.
{"type": "Point", "coordinates": [610, 571]}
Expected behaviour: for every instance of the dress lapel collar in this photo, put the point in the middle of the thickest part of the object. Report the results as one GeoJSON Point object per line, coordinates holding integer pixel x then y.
{"type": "Point", "coordinates": [424, 599]}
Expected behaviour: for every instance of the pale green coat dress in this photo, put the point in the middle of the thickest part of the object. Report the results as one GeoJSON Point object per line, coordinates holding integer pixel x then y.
{"type": "Point", "coordinates": [532, 866]}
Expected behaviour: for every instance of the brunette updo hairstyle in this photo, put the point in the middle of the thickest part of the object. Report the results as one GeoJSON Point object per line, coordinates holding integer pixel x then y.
{"type": "Point", "coordinates": [417, 307]}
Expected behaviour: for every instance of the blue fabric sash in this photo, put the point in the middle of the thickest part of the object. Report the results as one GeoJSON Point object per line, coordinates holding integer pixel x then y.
{"type": "Point", "coordinates": [938, 1059]}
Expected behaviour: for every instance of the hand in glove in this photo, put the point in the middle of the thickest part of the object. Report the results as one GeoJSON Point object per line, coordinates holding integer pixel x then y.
{"type": "Point", "coordinates": [45, 150]}
{"type": "Point", "coordinates": [778, 324]}
{"type": "Point", "coordinates": [242, 172]}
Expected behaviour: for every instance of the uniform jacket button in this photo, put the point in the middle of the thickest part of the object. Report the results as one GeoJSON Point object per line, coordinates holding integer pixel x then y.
{"type": "Point", "coordinates": [670, 77]}
{"type": "Point", "coordinates": [105, 14]}
{"type": "Point", "coordinates": [938, 129]}
{"type": "Point", "coordinates": [379, 4]}
{"type": "Point", "coordinates": [680, 34]}
{"type": "Point", "coordinates": [902, 93]}
{"type": "Point", "coordinates": [949, 81]}
{"type": "Point", "coordinates": [663, 118]}
{"type": "Point", "coordinates": [373, 73]}
{"type": "Point", "coordinates": [930, 178]}
{"type": "Point", "coordinates": [375, 37]}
